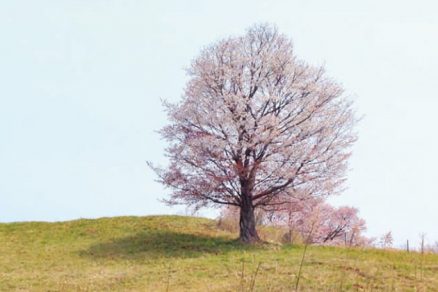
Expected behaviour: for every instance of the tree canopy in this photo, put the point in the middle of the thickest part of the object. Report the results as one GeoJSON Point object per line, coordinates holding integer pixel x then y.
{"type": "Point", "coordinates": [256, 126]}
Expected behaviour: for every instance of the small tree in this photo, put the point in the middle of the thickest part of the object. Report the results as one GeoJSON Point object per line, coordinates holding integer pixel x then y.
{"type": "Point", "coordinates": [341, 226]}
{"type": "Point", "coordinates": [386, 240]}
{"type": "Point", "coordinates": [331, 226]}
{"type": "Point", "coordinates": [255, 125]}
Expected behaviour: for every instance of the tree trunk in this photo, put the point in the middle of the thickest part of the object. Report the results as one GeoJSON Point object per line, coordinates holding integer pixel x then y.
{"type": "Point", "coordinates": [248, 232]}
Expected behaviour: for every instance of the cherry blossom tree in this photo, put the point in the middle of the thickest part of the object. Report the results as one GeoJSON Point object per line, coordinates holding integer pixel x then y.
{"type": "Point", "coordinates": [255, 126]}
{"type": "Point", "coordinates": [320, 223]}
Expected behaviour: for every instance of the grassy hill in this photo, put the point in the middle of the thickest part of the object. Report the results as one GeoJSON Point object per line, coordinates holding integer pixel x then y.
{"type": "Point", "coordinates": [174, 253]}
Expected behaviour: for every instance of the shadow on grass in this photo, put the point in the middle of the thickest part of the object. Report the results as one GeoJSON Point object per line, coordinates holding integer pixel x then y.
{"type": "Point", "coordinates": [153, 244]}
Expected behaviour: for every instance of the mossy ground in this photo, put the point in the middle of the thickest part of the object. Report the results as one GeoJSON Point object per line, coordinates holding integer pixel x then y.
{"type": "Point", "coordinates": [175, 253]}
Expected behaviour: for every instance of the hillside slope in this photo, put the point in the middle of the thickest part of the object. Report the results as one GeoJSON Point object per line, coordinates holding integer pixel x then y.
{"type": "Point", "coordinates": [175, 253]}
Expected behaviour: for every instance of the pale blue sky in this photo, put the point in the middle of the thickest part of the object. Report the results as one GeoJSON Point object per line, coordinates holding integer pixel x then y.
{"type": "Point", "coordinates": [81, 82]}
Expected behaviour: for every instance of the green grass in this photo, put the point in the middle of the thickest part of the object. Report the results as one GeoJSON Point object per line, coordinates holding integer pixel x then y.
{"type": "Point", "coordinates": [174, 253]}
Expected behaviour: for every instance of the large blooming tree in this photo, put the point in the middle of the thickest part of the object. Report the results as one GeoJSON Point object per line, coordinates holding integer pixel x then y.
{"type": "Point", "coordinates": [256, 126]}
